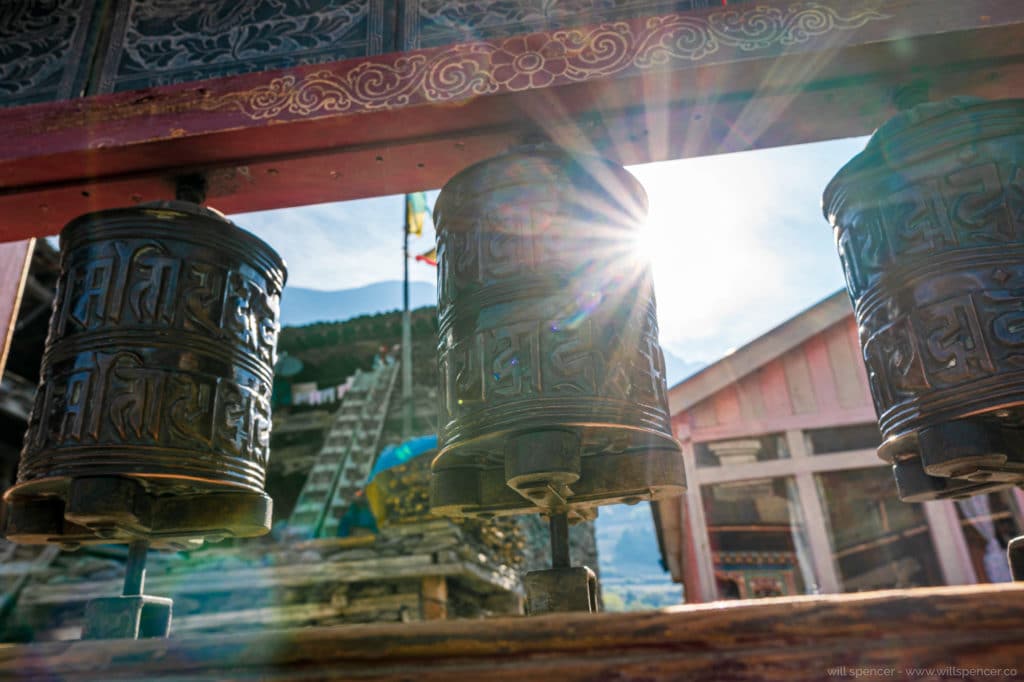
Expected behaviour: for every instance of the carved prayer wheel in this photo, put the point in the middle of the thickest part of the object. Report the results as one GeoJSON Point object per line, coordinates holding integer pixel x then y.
{"type": "Point", "coordinates": [553, 393]}
{"type": "Point", "coordinates": [152, 418]}
{"type": "Point", "coordinates": [929, 223]}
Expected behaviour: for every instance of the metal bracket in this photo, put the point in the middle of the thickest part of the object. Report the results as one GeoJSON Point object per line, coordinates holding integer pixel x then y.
{"type": "Point", "coordinates": [561, 589]}
{"type": "Point", "coordinates": [133, 615]}
{"type": "Point", "coordinates": [136, 617]}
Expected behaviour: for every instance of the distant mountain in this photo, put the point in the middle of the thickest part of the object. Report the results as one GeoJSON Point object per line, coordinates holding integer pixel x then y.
{"type": "Point", "coordinates": [632, 576]}
{"type": "Point", "coordinates": [677, 369]}
{"type": "Point", "coordinates": [304, 306]}
{"type": "Point", "coordinates": [618, 521]}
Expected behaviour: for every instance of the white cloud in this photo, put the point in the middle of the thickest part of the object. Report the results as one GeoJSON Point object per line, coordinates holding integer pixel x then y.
{"type": "Point", "coordinates": [342, 245]}
{"type": "Point", "coordinates": [740, 243]}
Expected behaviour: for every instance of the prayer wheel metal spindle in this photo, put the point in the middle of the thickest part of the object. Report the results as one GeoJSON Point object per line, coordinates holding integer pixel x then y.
{"type": "Point", "coordinates": [152, 418]}
{"type": "Point", "coordinates": [553, 395]}
{"type": "Point", "coordinates": [929, 223]}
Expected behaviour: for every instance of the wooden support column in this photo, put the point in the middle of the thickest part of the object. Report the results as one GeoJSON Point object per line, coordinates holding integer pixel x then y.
{"type": "Point", "coordinates": [950, 544]}
{"type": "Point", "coordinates": [434, 597]}
{"type": "Point", "coordinates": [15, 257]}
{"type": "Point", "coordinates": [1018, 497]}
{"type": "Point", "coordinates": [704, 590]}
{"type": "Point", "coordinates": [679, 557]}
{"type": "Point", "coordinates": [813, 517]}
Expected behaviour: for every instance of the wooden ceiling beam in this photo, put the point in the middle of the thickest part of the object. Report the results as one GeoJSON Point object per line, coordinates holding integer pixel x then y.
{"type": "Point", "coordinates": [742, 77]}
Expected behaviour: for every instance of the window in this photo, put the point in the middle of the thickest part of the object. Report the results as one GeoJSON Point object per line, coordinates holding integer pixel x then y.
{"type": "Point", "coordinates": [758, 541]}
{"type": "Point", "coordinates": [878, 542]}
{"type": "Point", "coordinates": [989, 523]}
{"type": "Point", "coordinates": [844, 438]}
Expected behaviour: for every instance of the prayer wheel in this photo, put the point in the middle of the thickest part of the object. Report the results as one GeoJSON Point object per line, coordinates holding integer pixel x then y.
{"type": "Point", "coordinates": [552, 382]}
{"type": "Point", "coordinates": [152, 417]}
{"type": "Point", "coordinates": [929, 224]}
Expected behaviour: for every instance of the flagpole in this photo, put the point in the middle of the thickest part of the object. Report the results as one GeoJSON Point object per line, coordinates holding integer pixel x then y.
{"type": "Point", "coordinates": [407, 403]}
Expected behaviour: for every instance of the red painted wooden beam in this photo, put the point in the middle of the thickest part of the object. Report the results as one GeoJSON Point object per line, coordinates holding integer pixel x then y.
{"type": "Point", "coordinates": [728, 78]}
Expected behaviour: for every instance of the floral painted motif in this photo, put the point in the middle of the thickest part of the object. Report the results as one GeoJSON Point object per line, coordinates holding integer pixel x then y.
{"type": "Point", "coordinates": [541, 59]}
{"type": "Point", "coordinates": [528, 61]}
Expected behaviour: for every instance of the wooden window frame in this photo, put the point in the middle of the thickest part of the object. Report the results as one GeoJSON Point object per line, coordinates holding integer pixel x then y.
{"type": "Point", "coordinates": [943, 524]}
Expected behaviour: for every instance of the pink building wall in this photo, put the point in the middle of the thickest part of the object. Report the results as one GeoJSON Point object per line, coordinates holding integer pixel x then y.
{"type": "Point", "coordinates": [820, 382]}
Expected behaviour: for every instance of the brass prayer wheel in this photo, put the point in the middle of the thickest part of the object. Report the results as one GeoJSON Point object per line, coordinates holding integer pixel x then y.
{"type": "Point", "coordinates": [929, 224]}
{"type": "Point", "coordinates": [152, 417]}
{"type": "Point", "coordinates": [552, 382]}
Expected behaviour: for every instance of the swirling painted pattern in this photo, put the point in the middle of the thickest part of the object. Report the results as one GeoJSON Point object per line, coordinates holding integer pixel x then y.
{"type": "Point", "coordinates": [537, 60]}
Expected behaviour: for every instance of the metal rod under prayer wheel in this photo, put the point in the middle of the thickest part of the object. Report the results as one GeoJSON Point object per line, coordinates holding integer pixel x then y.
{"type": "Point", "coordinates": [552, 383]}
{"type": "Point", "coordinates": [135, 568]}
{"type": "Point", "coordinates": [559, 529]}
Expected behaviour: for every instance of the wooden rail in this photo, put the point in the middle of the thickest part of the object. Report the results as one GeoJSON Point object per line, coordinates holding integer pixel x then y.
{"type": "Point", "coordinates": [793, 639]}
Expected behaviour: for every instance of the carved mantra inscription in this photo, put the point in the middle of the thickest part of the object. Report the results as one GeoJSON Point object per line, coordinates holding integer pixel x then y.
{"type": "Point", "coordinates": [142, 285]}
{"type": "Point", "coordinates": [538, 300]}
{"type": "Point", "coordinates": [974, 206]}
{"type": "Point", "coordinates": [932, 246]}
{"type": "Point", "coordinates": [160, 353]}
{"type": "Point", "coordinates": [539, 358]}
{"type": "Point", "coordinates": [114, 398]}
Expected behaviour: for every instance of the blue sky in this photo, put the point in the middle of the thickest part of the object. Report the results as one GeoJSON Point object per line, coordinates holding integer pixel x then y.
{"type": "Point", "coordinates": [737, 242]}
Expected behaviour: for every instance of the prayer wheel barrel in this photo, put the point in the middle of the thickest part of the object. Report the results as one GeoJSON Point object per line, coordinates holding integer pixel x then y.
{"type": "Point", "coordinates": [152, 417]}
{"type": "Point", "coordinates": [929, 224]}
{"type": "Point", "coordinates": [552, 382]}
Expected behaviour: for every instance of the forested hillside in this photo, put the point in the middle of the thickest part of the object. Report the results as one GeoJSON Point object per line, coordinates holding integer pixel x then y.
{"type": "Point", "coordinates": [331, 351]}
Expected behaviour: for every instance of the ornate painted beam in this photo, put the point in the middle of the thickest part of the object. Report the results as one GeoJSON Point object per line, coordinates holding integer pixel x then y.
{"type": "Point", "coordinates": [738, 77]}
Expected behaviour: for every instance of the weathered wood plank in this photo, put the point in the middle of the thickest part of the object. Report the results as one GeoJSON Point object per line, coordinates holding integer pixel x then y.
{"type": "Point", "coordinates": [798, 378]}
{"type": "Point", "coordinates": [704, 414]}
{"type": "Point", "coordinates": [774, 344]}
{"type": "Point", "coordinates": [807, 420]}
{"type": "Point", "coordinates": [748, 390]}
{"type": "Point", "coordinates": [761, 74]}
{"type": "Point", "coordinates": [727, 406]}
{"type": "Point", "coordinates": [434, 597]}
{"type": "Point", "coordinates": [823, 378]}
{"type": "Point", "coordinates": [774, 391]}
{"type": "Point", "coordinates": [773, 639]}
{"type": "Point", "coordinates": [174, 584]}
{"type": "Point", "coordinates": [847, 367]}
{"type": "Point", "coordinates": [274, 616]}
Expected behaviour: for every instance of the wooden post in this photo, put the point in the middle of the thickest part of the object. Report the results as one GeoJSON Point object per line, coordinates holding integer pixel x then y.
{"type": "Point", "coordinates": [814, 516]}
{"type": "Point", "coordinates": [705, 588]}
{"type": "Point", "coordinates": [949, 542]}
{"type": "Point", "coordinates": [15, 257]}
{"type": "Point", "coordinates": [434, 597]}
